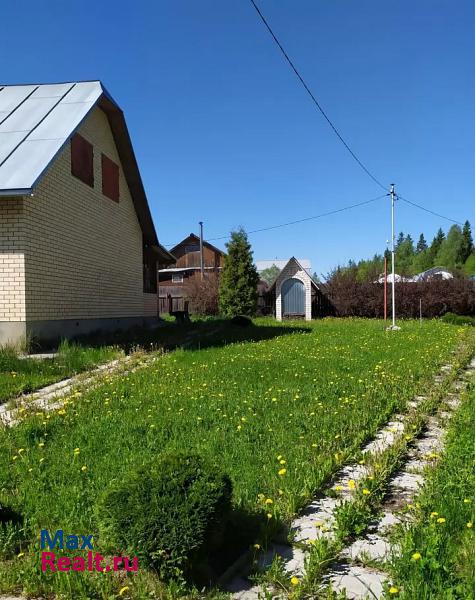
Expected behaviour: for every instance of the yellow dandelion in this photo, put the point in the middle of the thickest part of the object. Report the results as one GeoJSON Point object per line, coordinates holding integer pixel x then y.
{"type": "Point", "coordinates": [123, 590]}
{"type": "Point", "coordinates": [470, 524]}
{"type": "Point", "coordinates": [41, 444]}
{"type": "Point", "coordinates": [393, 590]}
{"type": "Point", "coordinates": [21, 450]}
{"type": "Point", "coordinates": [416, 556]}
{"type": "Point", "coordinates": [282, 472]}
{"type": "Point", "coordinates": [351, 484]}
{"type": "Point", "coordinates": [269, 515]}
{"type": "Point", "coordinates": [20, 554]}
{"type": "Point", "coordinates": [83, 468]}
{"type": "Point", "coordinates": [441, 520]}
{"type": "Point", "coordinates": [269, 501]}
{"type": "Point", "coordinates": [294, 580]}
{"type": "Point", "coordinates": [433, 514]}
{"type": "Point", "coordinates": [366, 492]}
{"type": "Point", "coordinates": [257, 546]}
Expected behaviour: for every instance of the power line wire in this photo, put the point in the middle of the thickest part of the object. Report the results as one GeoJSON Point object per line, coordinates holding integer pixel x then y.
{"type": "Point", "coordinates": [315, 101]}
{"type": "Point", "coordinates": [325, 214]}
{"type": "Point", "coordinates": [432, 212]}
{"type": "Point", "coordinates": [327, 118]}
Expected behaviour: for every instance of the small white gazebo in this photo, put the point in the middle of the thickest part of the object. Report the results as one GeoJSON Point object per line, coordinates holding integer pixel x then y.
{"type": "Point", "coordinates": [293, 292]}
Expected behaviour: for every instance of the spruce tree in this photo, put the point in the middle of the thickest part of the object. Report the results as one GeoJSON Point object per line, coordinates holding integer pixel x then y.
{"type": "Point", "coordinates": [400, 240]}
{"type": "Point", "coordinates": [239, 278]}
{"type": "Point", "coordinates": [467, 242]}
{"type": "Point", "coordinates": [421, 244]}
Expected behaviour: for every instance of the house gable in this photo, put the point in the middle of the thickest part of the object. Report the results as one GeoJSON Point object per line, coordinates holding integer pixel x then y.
{"type": "Point", "coordinates": [36, 124]}
{"type": "Point", "coordinates": [83, 250]}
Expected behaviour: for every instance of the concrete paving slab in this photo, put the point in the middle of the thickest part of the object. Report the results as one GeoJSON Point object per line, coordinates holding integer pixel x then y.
{"type": "Point", "coordinates": [372, 546]}
{"type": "Point", "coordinates": [293, 559]}
{"type": "Point", "coordinates": [358, 582]}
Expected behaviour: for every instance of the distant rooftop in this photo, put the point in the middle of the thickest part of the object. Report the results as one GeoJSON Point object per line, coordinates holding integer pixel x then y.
{"type": "Point", "coordinates": [280, 263]}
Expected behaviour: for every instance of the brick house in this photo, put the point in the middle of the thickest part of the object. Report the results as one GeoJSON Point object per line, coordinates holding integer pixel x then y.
{"type": "Point", "coordinates": [78, 247]}
{"type": "Point", "coordinates": [174, 278]}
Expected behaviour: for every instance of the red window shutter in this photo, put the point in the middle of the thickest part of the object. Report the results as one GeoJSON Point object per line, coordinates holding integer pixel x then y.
{"type": "Point", "coordinates": [110, 178]}
{"type": "Point", "coordinates": [82, 159]}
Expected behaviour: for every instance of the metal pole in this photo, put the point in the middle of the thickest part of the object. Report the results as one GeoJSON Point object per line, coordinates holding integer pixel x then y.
{"type": "Point", "coordinates": [393, 283]}
{"type": "Point", "coordinates": [385, 289]}
{"type": "Point", "coordinates": [202, 269]}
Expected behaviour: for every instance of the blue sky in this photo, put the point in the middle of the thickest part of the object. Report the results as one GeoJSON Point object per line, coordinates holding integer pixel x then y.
{"type": "Point", "coordinates": [224, 133]}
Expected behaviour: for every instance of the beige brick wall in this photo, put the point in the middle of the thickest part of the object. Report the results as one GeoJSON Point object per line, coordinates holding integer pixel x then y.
{"type": "Point", "coordinates": [12, 260]}
{"type": "Point", "coordinates": [292, 269]}
{"type": "Point", "coordinates": [83, 251]}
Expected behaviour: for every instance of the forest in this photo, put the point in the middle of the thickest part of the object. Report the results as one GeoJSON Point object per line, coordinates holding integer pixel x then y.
{"type": "Point", "coordinates": [453, 251]}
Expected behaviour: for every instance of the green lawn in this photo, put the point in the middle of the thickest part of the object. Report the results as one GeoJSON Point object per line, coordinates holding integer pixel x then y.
{"type": "Point", "coordinates": [438, 552]}
{"type": "Point", "coordinates": [279, 415]}
{"type": "Point", "coordinates": [23, 375]}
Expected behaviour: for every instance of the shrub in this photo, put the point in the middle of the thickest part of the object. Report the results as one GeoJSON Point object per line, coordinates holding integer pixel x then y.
{"type": "Point", "coordinates": [436, 297]}
{"type": "Point", "coordinates": [203, 294]}
{"type": "Point", "coordinates": [171, 514]}
{"type": "Point", "coordinates": [454, 319]}
{"type": "Point", "coordinates": [241, 321]}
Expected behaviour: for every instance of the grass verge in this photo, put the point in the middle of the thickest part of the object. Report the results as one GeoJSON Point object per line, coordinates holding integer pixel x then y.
{"type": "Point", "coordinates": [437, 558]}
{"type": "Point", "coordinates": [282, 415]}
{"type": "Point", "coordinates": [24, 375]}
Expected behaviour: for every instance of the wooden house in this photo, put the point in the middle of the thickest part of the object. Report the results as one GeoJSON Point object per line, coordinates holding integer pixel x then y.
{"type": "Point", "coordinates": [174, 279]}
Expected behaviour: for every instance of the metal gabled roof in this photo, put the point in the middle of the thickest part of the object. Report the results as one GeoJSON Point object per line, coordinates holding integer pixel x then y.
{"type": "Point", "coordinates": [37, 120]}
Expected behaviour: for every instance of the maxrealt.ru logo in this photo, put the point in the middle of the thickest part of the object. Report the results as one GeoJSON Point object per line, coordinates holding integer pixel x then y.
{"type": "Point", "coordinates": [93, 561]}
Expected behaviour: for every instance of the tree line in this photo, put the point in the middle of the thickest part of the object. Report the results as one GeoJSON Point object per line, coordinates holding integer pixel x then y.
{"type": "Point", "coordinates": [453, 251]}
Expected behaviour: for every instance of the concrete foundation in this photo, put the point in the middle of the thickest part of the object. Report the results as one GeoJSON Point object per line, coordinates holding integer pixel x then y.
{"type": "Point", "coordinates": [16, 332]}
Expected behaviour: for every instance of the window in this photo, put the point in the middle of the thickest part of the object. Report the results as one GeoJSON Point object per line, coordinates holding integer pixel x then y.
{"type": "Point", "coordinates": [110, 178]}
{"type": "Point", "coordinates": [82, 159]}
{"type": "Point", "coordinates": [177, 277]}
{"type": "Point", "coordinates": [192, 248]}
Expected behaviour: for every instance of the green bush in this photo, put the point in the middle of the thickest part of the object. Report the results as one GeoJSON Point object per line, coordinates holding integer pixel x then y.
{"type": "Point", "coordinates": [171, 514]}
{"type": "Point", "coordinates": [454, 319]}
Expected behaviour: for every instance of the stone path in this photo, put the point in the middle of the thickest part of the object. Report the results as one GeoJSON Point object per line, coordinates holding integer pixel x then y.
{"type": "Point", "coordinates": [347, 574]}
{"type": "Point", "coordinates": [53, 396]}
{"type": "Point", "coordinates": [318, 519]}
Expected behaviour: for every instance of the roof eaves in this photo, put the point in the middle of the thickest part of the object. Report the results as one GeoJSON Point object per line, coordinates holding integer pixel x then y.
{"type": "Point", "coordinates": [23, 192]}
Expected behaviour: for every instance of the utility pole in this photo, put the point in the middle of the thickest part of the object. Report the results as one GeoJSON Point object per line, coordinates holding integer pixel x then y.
{"type": "Point", "coordinates": [202, 268]}
{"type": "Point", "coordinates": [393, 282]}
